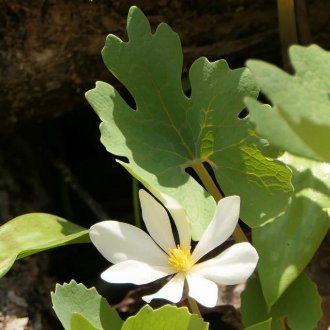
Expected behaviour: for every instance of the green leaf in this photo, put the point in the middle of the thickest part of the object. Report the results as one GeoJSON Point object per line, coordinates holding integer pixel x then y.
{"type": "Point", "coordinates": [300, 119]}
{"type": "Point", "coordinates": [35, 232]}
{"type": "Point", "coordinates": [300, 305]}
{"type": "Point", "coordinates": [170, 132]}
{"type": "Point", "coordinates": [78, 322]}
{"type": "Point", "coordinates": [266, 325]}
{"type": "Point", "coordinates": [165, 318]}
{"type": "Point", "coordinates": [71, 298]}
{"type": "Point", "coordinates": [287, 244]}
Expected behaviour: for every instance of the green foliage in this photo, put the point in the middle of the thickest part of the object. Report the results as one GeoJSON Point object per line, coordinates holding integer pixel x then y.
{"type": "Point", "coordinates": [299, 306]}
{"type": "Point", "coordinates": [165, 318]}
{"type": "Point", "coordinates": [300, 119]}
{"type": "Point", "coordinates": [80, 308]}
{"type": "Point", "coordinates": [35, 232]}
{"type": "Point", "coordinates": [78, 322]}
{"type": "Point", "coordinates": [287, 244]}
{"type": "Point", "coordinates": [298, 122]}
{"type": "Point", "coordinates": [170, 132]}
{"type": "Point", "coordinates": [266, 325]}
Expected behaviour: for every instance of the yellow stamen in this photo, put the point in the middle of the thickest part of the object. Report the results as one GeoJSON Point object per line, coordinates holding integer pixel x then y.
{"type": "Point", "coordinates": [180, 258]}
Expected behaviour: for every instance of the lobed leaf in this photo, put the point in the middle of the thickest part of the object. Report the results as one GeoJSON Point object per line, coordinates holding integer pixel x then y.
{"type": "Point", "coordinates": [287, 244]}
{"type": "Point", "coordinates": [74, 304]}
{"type": "Point", "coordinates": [170, 132]}
{"type": "Point", "coordinates": [165, 318]}
{"type": "Point", "coordinates": [299, 121]}
{"type": "Point", "coordinates": [35, 232]}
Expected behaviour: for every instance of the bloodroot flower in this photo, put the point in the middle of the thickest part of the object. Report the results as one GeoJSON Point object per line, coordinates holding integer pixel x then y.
{"type": "Point", "coordinates": [139, 258]}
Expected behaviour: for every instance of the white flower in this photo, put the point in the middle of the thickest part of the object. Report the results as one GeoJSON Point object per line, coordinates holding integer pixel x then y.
{"type": "Point", "coordinates": [140, 259]}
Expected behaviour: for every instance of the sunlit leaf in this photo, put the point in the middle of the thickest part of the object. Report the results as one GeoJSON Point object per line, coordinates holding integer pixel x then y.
{"type": "Point", "coordinates": [299, 306]}
{"type": "Point", "coordinates": [35, 232]}
{"type": "Point", "coordinates": [286, 245]}
{"type": "Point", "coordinates": [72, 298]}
{"type": "Point", "coordinates": [170, 132]}
{"type": "Point", "coordinates": [300, 119]}
{"type": "Point", "coordinates": [166, 317]}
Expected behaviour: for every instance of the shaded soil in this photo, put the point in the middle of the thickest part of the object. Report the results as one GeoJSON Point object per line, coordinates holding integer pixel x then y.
{"type": "Point", "coordinates": [50, 49]}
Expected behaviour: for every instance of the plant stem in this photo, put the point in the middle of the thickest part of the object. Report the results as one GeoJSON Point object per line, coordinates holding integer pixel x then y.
{"type": "Point", "coordinates": [239, 235]}
{"type": "Point", "coordinates": [283, 323]}
{"type": "Point", "coordinates": [193, 306]}
{"type": "Point", "coordinates": [136, 204]}
{"type": "Point", "coordinates": [287, 27]}
{"type": "Point", "coordinates": [211, 187]}
{"type": "Point", "coordinates": [207, 180]}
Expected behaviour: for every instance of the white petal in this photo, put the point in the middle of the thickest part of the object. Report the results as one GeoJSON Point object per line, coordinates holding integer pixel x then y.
{"type": "Point", "coordinates": [119, 241]}
{"type": "Point", "coordinates": [136, 272]}
{"type": "Point", "coordinates": [234, 265]}
{"type": "Point", "coordinates": [221, 226]}
{"type": "Point", "coordinates": [157, 221]}
{"type": "Point", "coordinates": [171, 291]}
{"type": "Point", "coordinates": [202, 290]}
{"type": "Point", "coordinates": [179, 216]}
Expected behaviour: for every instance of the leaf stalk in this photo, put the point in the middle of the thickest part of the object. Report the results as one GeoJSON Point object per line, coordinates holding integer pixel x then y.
{"type": "Point", "coordinates": [136, 203]}
{"type": "Point", "coordinates": [192, 304]}
{"type": "Point", "coordinates": [283, 323]}
{"type": "Point", "coordinates": [287, 27]}
{"type": "Point", "coordinates": [211, 187]}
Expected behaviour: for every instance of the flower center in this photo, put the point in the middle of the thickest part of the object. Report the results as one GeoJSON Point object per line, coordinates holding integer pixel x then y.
{"type": "Point", "coordinates": [180, 258]}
